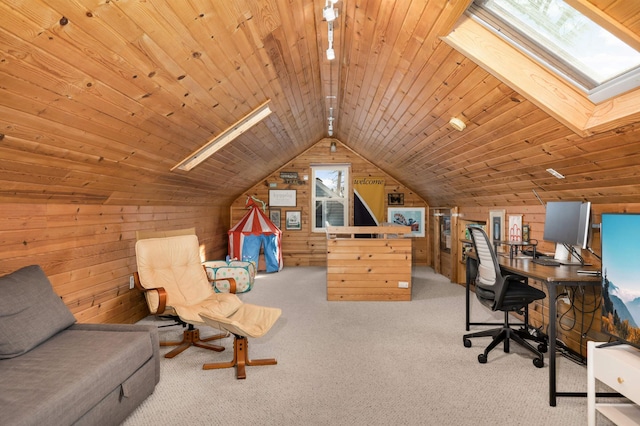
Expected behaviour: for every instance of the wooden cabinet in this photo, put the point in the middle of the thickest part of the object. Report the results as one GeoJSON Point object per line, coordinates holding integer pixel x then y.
{"type": "Point", "coordinates": [619, 368]}
{"type": "Point", "coordinates": [370, 263]}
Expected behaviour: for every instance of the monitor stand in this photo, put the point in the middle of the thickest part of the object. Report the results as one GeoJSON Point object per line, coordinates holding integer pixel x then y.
{"type": "Point", "coordinates": [564, 257]}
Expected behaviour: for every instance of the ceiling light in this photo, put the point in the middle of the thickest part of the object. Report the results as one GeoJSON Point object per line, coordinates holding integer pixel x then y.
{"type": "Point", "coordinates": [555, 173]}
{"type": "Point", "coordinates": [224, 138]}
{"type": "Point", "coordinates": [457, 124]}
{"type": "Point", "coordinates": [333, 147]}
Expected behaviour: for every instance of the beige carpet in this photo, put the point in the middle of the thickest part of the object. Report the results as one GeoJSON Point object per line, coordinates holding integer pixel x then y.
{"type": "Point", "coordinates": [362, 363]}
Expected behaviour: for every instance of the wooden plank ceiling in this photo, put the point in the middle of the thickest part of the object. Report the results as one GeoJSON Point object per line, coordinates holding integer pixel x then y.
{"type": "Point", "coordinates": [99, 99]}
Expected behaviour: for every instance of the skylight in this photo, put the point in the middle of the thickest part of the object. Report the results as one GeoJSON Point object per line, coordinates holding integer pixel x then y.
{"type": "Point", "coordinates": [566, 42]}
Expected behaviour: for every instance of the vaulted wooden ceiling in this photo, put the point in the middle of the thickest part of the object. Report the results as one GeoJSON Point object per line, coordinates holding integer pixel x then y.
{"type": "Point", "coordinates": [99, 99]}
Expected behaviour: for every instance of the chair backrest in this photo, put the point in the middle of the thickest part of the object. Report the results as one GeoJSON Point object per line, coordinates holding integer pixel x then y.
{"type": "Point", "coordinates": [141, 235]}
{"type": "Point", "coordinates": [489, 282]}
{"type": "Point", "coordinates": [174, 264]}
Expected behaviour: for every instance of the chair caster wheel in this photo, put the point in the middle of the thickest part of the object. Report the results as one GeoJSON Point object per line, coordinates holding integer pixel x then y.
{"type": "Point", "coordinates": [538, 362]}
{"type": "Point", "coordinates": [542, 347]}
{"type": "Point", "coordinates": [467, 343]}
{"type": "Point", "coordinates": [482, 359]}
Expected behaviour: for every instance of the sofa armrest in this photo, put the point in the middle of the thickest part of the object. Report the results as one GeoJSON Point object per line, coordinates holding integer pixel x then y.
{"type": "Point", "coordinates": [153, 330]}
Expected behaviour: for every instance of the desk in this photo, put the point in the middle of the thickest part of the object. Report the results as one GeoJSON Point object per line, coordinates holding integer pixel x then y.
{"type": "Point", "coordinates": [553, 277]}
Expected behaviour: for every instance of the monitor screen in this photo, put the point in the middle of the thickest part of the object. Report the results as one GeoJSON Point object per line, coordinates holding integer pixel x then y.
{"type": "Point", "coordinates": [620, 277]}
{"type": "Point", "coordinates": [567, 222]}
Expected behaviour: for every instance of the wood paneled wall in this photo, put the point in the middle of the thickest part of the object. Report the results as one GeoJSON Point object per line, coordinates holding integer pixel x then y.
{"type": "Point", "coordinates": [88, 253]}
{"type": "Point", "coordinates": [579, 321]}
{"type": "Point", "coordinates": [303, 248]}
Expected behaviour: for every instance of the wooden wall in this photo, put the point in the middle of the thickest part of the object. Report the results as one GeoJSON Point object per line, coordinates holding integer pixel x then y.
{"type": "Point", "coordinates": [88, 253]}
{"type": "Point", "coordinates": [579, 321]}
{"type": "Point", "coordinates": [303, 248]}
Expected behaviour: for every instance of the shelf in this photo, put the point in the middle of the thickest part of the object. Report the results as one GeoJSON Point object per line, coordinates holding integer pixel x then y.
{"type": "Point", "coordinates": [620, 414]}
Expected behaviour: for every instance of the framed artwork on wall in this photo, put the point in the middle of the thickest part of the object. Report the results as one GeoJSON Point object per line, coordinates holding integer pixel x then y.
{"type": "Point", "coordinates": [408, 216]}
{"type": "Point", "coordinates": [274, 216]}
{"type": "Point", "coordinates": [445, 233]}
{"type": "Point", "coordinates": [282, 198]}
{"type": "Point", "coordinates": [496, 225]}
{"type": "Point", "coordinates": [395, 199]}
{"type": "Point", "coordinates": [515, 228]}
{"type": "Point", "coordinates": [293, 220]}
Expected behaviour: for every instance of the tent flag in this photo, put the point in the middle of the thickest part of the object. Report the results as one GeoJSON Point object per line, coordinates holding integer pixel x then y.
{"type": "Point", "coordinates": [368, 207]}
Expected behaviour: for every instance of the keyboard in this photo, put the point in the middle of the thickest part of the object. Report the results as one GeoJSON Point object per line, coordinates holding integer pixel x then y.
{"type": "Point", "coordinates": [546, 261]}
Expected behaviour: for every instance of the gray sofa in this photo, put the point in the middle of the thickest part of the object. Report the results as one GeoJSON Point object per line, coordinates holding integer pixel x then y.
{"type": "Point", "coordinates": [56, 372]}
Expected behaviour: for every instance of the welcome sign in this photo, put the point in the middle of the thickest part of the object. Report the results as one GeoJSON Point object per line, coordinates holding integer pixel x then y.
{"type": "Point", "coordinates": [368, 205]}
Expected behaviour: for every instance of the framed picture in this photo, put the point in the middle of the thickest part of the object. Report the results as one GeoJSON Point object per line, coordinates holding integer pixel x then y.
{"type": "Point", "coordinates": [496, 225]}
{"type": "Point", "coordinates": [293, 220]}
{"type": "Point", "coordinates": [282, 198]}
{"type": "Point", "coordinates": [515, 228]}
{"type": "Point", "coordinates": [274, 216]}
{"type": "Point", "coordinates": [445, 233]}
{"type": "Point", "coordinates": [408, 216]}
{"type": "Point", "coordinates": [395, 199]}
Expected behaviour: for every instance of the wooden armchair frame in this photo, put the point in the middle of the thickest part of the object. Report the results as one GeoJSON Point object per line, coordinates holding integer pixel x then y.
{"type": "Point", "coordinates": [190, 336]}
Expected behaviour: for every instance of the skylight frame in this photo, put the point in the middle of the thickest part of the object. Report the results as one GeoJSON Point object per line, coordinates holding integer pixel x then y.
{"type": "Point", "coordinates": [594, 91]}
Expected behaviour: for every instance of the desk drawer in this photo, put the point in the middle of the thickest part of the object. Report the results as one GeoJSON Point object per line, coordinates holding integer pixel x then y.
{"type": "Point", "coordinates": [619, 368]}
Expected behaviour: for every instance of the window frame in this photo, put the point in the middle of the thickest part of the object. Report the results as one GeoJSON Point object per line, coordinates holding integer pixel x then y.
{"type": "Point", "coordinates": [346, 196]}
{"type": "Point", "coordinates": [594, 91]}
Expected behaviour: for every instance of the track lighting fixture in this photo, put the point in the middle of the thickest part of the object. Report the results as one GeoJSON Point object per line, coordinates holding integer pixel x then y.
{"type": "Point", "coordinates": [329, 12]}
{"type": "Point", "coordinates": [330, 119]}
{"type": "Point", "coordinates": [331, 54]}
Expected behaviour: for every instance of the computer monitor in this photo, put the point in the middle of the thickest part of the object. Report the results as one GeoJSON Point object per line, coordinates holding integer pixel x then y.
{"type": "Point", "coordinates": [567, 222]}
{"type": "Point", "coordinates": [620, 277]}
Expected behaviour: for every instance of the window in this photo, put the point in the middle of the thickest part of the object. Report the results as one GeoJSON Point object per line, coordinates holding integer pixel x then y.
{"type": "Point", "coordinates": [330, 196]}
{"type": "Point", "coordinates": [565, 41]}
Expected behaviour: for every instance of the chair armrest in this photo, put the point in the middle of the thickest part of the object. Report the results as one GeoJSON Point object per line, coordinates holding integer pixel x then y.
{"type": "Point", "coordinates": [514, 277]}
{"type": "Point", "coordinates": [232, 281]}
{"type": "Point", "coordinates": [161, 295]}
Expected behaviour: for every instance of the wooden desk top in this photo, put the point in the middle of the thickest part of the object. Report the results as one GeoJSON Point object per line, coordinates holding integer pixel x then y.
{"type": "Point", "coordinates": [562, 273]}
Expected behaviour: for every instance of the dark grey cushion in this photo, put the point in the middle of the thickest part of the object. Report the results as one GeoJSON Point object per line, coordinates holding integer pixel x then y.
{"type": "Point", "coordinates": [30, 311]}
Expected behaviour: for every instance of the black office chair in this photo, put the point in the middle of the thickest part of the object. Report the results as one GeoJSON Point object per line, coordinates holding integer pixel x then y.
{"type": "Point", "coordinates": [509, 293]}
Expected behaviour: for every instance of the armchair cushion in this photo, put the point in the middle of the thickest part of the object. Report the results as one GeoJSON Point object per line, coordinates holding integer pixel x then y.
{"type": "Point", "coordinates": [30, 311]}
{"type": "Point", "coordinates": [249, 320]}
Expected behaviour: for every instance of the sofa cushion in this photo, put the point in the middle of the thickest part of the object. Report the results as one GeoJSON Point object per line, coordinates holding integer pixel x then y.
{"type": "Point", "coordinates": [30, 311]}
{"type": "Point", "coordinates": [64, 377]}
